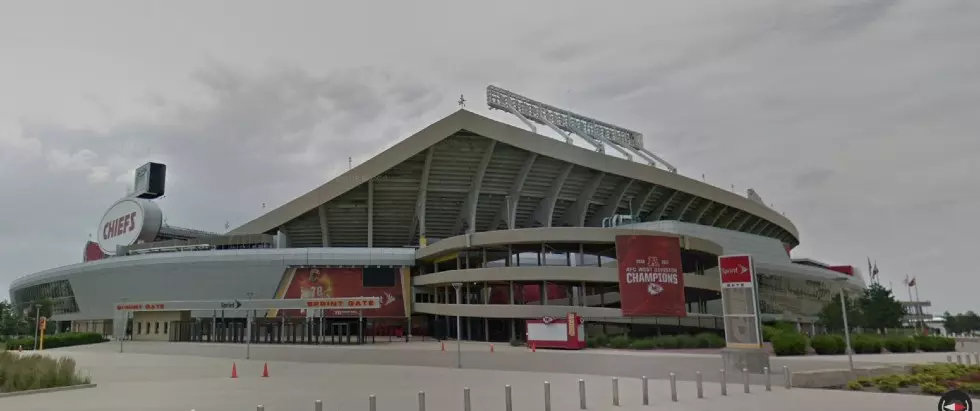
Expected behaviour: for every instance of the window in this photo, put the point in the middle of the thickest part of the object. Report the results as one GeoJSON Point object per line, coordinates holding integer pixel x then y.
{"type": "Point", "coordinates": [166, 326]}
{"type": "Point", "coordinates": [147, 328]}
{"type": "Point", "coordinates": [379, 277]}
{"type": "Point", "coordinates": [139, 328]}
{"type": "Point", "coordinates": [156, 330]}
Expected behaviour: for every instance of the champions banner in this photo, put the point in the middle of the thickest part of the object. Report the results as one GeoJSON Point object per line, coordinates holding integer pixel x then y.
{"type": "Point", "coordinates": [651, 280]}
{"type": "Point", "coordinates": [341, 282]}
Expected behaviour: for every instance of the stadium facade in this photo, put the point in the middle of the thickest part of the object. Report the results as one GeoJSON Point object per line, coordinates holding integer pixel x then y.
{"type": "Point", "coordinates": [530, 227]}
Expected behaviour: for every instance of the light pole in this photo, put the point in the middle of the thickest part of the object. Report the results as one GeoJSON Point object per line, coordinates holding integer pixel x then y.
{"type": "Point", "coordinates": [847, 331]}
{"type": "Point", "coordinates": [125, 324]}
{"type": "Point", "coordinates": [37, 323]}
{"type": "Point", "coordinates": [459, 328]}
{"type": "Point", "coordinates": [248, 328]}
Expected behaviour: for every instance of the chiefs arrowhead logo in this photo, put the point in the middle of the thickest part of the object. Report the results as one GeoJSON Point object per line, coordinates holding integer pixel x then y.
{"type": "Point", "coordinates": [654, 289]}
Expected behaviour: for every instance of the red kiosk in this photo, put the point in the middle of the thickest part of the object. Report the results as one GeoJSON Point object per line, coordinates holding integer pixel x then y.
{"type": "Point", "coordinates": [564, 333]}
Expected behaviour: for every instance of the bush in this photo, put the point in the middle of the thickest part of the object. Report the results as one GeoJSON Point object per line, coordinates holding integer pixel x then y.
{"type": "Point", "coordinates": [619, 341]}
{"type": "Point", "coordinates": [828, 344]}
{"type": "Point", "coordinates": [686, 341]}
{"type": "Point", "coordinates": [888, 385]}
{"type": "Point", "coordinates": [934, 343]}
{"type": "Point", "coordinates": [932, 388]}
{"type": "Point", "coordinates": [789, 343]}
{"type": "Point", "coordinates": [644, 344]}
{"type": "Point", "coordinates": [854, 386]}
{"type": "Point", "coordinates": [970, 387]}
{"type": "Point", "coordinates": [866, 344]}
{"type": "Point", "coordinates": [865, 381]}
{"type": "Point", "coordinates": [669, 342]}
{"type": "Point", "coordinates": [33, 372]}
{"type": "Point", "coordinates": [598, 340]}
{"type": "Point", "coordinates": [710, 340]}
{"type": "Point", "coordinates": [899, 344]}
{"type": "Point", "coordinates": [58, 340]}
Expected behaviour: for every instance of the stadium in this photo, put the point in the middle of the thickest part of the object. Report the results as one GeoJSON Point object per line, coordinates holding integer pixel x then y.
{"type": "Point", "coordinates": [470, 218]}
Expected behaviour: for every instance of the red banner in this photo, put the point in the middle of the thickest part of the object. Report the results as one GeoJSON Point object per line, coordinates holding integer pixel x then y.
{"type": "Point", "coordinates": [651, 280]}
{"type": "Point", "coordinates": [323, 282]}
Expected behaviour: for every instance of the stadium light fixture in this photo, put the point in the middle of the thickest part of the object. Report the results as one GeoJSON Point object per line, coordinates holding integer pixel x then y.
{"type": "Point", "coordinates": [564, 122]}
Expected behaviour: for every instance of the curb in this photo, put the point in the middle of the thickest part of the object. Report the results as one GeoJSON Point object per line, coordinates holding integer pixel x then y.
{"type": "Point", "coordinates": [47, 390]}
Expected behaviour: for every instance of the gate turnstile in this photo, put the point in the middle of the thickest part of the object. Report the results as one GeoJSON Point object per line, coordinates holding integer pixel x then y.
{"type": "Point", "coordinates": [332, 330]}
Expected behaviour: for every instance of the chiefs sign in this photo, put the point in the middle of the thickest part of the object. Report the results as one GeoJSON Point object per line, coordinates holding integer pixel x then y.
{"type": "Point", "coordinates": [651, 280]}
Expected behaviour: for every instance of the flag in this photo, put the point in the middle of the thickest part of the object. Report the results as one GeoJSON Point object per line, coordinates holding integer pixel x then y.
{"type": "Point", "coordinates": [870, 270]}
{"type": "Point", "coordinates": [874, 271]}
{"type": "Point", "coordinates": [912, 283]}
{"type": "Point", "coordinates": [906, 281]}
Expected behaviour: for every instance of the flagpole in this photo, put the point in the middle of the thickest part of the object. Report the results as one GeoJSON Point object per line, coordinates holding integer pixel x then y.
{"type": "Point", "coordinates": [922, 321]}
{"type": "Point", "coordinates": [912, 302]}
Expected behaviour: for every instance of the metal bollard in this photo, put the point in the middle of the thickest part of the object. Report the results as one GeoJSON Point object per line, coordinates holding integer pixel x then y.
{"type": "Point", "coordinates": [745, 379]}
{"type": "Point", "coordinates": [615, 382]}
{"type": "Point", "coordinates": [259, 408]}
{"type": "Point", "coordinates": [700, 383]}
{"type": "Point", "coordinates": [765, 370]}
{"type": "Point", "coordinates": [581, 394]}
{"type": "Point", "coordinates": [976, 356]}
{"type": "Point", "coordinates": [317, 405]}
{"type": "Point", "coordinates": [949, 358]}
{"type": "Point", "coordinates": [959, 358]}
{"type": "Point", "coordinates": [372, 403]}
{"type": "Point", "coordinates": [968, 359]}
{"type": "Point", "coordinates": [787, 378]}
{"type": "Point", "coordinates": [673, 387]}
{"type": "Point", "coordinates": [724, 383]}
{"type": "Point", "coordinates": [646, 391]}
{"type": "Point", "coordinates": [507, 398]}
{"type": "Point", "coordinates": [547, 397]}
{"type": "Point", "coordinates": [466, 399]}
{"type": "Point", "coordinates": [421, 400]}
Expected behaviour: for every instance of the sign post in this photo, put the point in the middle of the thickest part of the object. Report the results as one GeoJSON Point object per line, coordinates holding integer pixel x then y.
{"type": "Point", "coordinates": [740, 312]}
{"type": "Point", "coordinates": [44, 326]}
{"type": "Point", "coordinates": [459, 328]}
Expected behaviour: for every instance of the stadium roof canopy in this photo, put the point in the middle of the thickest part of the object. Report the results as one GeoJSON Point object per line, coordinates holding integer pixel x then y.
{"type": "Point", "coordinates": [467, 171]}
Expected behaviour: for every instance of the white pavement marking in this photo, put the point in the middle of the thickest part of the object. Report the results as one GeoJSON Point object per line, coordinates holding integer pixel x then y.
{"type": "Point", "coordinates": [173, 382]}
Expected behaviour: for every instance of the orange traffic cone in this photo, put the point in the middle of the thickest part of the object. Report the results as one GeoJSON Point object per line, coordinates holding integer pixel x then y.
{"type": "Point", "coordinates": [534, 347]}
{"type": "Point", "coordinates": [444, 346]}
{"type": "Point", "coordinates": [234, 370]}
{"type": "Point", "coordinates": [265, 370]}
{"type": "Point", "coordinates": [491, 347]}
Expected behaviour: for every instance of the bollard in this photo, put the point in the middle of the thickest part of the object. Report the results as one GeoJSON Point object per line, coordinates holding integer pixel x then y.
{"type": "Point", "coordinates": [581, 394]}
{"type": "Point", "coordinates": [547, 397]}
{"type": "Point", "coordinates": [976, 356]}
{"type": "Point", "coordinates": [317, 405]}
{"type": "Point", "coordinates": [724, 383]}
{"type": "Point", "coordinates": [765, 370]}
{"type": "Point", "coordinates": [949, 358]}
{"type": "Point", "coordinates": [507, 398]}
{"type": "Point", "coordinates": [421, 400]}
{"type": "Point", "coordinates": [959, 358]}
{"type": "Point", "coordinates": [968, 359]}
{"type": "Point", "coordinates": [745, 379]}
{"type": "Point", "coordinates": [700, 383]}
{"type": "Point", "coordinates": [673, 387]}
{"type": "Point", "coordinates": [259, 408]}
{"type": "Point", "coordinates": [373, 403]}
{"type": "Point", "coordinates": [615, 382]}
{"type": "Point", "coordinates": [466, 399]}
{"type": "Point", "coordinates": [646, 391]}
{"type": "Point", "coordinates": [787, 378]}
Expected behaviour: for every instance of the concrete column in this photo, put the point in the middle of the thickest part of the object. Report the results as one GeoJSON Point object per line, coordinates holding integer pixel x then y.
{"type": "Point", "coordinates": [370, 214]}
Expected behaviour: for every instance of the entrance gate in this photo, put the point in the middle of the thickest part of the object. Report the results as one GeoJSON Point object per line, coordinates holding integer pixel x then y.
{"type": "Point", "coordinates": [316, 328]}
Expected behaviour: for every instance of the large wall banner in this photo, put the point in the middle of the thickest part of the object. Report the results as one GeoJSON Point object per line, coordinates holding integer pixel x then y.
{"type": "Point", "coordinates": [651, 280]}
{"type": "Point", "coordinates": [340, 282]}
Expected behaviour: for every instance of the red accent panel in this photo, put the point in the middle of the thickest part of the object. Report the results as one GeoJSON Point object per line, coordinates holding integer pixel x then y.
{"type": "Point", "coordinates": [92, 252]}
{"type": "Point", "coordinates": [323, 282]}
{"type": "Point", "coordinates": [845, 269]}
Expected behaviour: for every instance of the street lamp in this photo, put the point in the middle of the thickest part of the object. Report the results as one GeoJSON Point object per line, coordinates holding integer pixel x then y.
{"type": "Point", "coordinates": [459, 328]}
{"type": "Point", "coordinates": [847, 331]}
{"type": "Point", "coordinates": [37, 323]}
{"type": "Point", "coordinates": [248, 328]}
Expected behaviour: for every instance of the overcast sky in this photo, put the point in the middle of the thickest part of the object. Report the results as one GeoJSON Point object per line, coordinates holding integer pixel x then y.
{"type": "Point", "coordinates": [858, 119]}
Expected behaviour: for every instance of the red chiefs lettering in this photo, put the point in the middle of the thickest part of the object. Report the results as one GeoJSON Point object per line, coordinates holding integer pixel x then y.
{"type": "Point", "coordinates": [119, 226]}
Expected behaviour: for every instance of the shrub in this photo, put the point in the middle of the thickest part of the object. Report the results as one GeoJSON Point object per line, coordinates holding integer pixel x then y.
{"type": "Point", "coordinates": [619, 341]}
{"type": "Point", "coordinates": [899, 344]}
{"type": "Point", "coordinates": [866, 344]}
{"type": "Point", "coordinates": [668, 341]}
{"type": "Point", "coordinates": [828, 344]}
{"type": "Point", "coordinates": [686, 341]}
{"type": "Point", "coordinates": [865, 382]}
{"type": "Point", "coordinates": [58, 340]}
{"type": "Point", "coordinates": [854, 386]}
{"type": "Point", "coordinates": [644, 344]}
{"type": "Point", "coordinates": [789, 343]}
{"type": "Point", "coordinates": [710, 340]}
{"type": "Point", "coordinates": [932, 388]}
{"type": "Point", "coordinates": [601, 340]}
{"type": "Point", "coordinates": [934, 343]}
{"type": "Point", "coordinates": [32, 372]}
{"type": "Point", "coordinates": [888, 385]}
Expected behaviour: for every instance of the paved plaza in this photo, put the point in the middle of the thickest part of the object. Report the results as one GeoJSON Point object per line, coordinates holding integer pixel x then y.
{"type": "Point", "coordinates": [196, 376]}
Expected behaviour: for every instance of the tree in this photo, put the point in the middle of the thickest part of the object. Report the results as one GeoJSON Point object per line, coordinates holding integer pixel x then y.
{"type": "Point", "coordinates": [952, 323]}
{"type": "Point", "coordinates": [879, 308]}
{"type": "Point", "coordinates": [830, 315]}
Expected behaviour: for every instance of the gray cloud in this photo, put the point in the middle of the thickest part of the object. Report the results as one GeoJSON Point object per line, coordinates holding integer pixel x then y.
{"type": "Point", "coordinates": [856, 118]}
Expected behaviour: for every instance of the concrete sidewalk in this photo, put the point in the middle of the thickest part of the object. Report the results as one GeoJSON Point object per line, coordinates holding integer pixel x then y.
{"type": "Point", "coordinates": [167, 382]}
